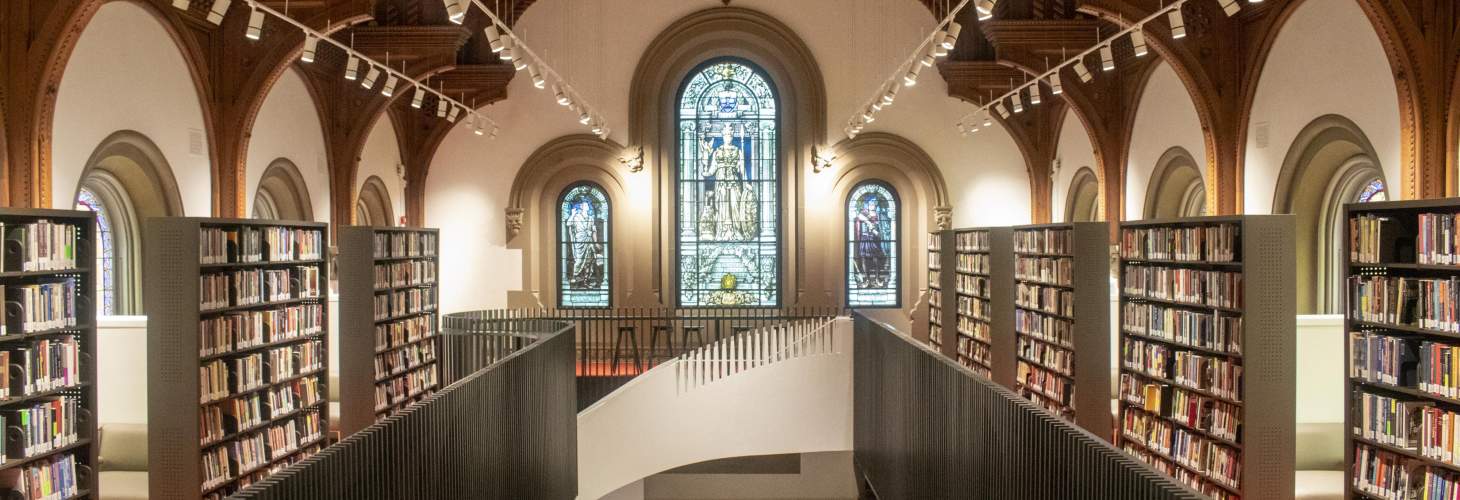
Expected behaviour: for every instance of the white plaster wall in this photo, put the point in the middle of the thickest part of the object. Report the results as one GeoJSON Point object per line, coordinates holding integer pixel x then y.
{"type": "Point", "coordinates": [379, 158]}
{"type": "Point", "coordinates": [1074, 152]}
{"type": "Point", "coordinates": [1326, 60]}
{"type": "Point", "coordinates": [121, 369]}
{"type": "Point", "coordinates": [288, 127]}
{"type": "Point", "coordinates": [126, 73]}
{"type": "Point", "coordinates": [471, 176]}
{"type": "Point", "coordinates": [1165, 118]}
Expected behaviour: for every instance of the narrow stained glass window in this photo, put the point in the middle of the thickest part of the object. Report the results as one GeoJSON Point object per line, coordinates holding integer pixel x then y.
{"type": "Point", "coordinates": [728, 180]}
{"type": "Point", "coordinates": [105, 254]}
{"type": "Point", "coordinates": [1374, 192]}
{"type": "Point", "coordinates": [872, 246]}
{"type": "Point", "coordinates": [583, 247]}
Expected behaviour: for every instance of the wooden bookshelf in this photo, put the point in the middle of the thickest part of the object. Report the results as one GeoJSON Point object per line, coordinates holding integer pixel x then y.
{"type": "Point", "coordinates": [387, 358]}
{"type": "Point", "coordinates": [62, 338]}
{"type": "Point", "coordinates": [1062, 320]}
{"type": "Point", "coordinates": [1400, 359]}
{"type": "Point", "coordinates": [940, 244]}
{"type": "Point", "coordinates": [972, 311]}
{"type": "Point", "coordinates": [183, 340]}
{"type": "Point", "coordinates": [1245, 426]}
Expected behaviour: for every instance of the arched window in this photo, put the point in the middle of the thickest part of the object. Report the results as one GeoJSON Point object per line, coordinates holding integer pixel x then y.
{"type": "Point", "coordinates": [872, 246]}
{"type": "Point", "coordinates": [374, 208]}
{"type": "Point", "coordinates": [106, 256]}
{"type": "Point", "coordinates": [1082, 204]}
{"type": "Point", "coordinates": [282, 194]}
{"type": "Point", "coordinates": [727, 225]}
{"type": "Point", "coordinates": [584, 252]}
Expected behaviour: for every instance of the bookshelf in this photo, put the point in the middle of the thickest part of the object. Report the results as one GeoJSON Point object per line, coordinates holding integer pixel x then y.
{"type": "Point", "coordinates": [1207, 303]}
{"type": "Point", "coordinates": [1062, 320]}
{"type": "Point", "coordinates": [48, 347]}
{"type": "Point", "coordinates": [239, 306]}
{"type": "Point", "coordinates": [973, 315]}
{"type": "Point", "coordinates": [388, 321]}
{"type": "Point", "coordinates": [1401, 402]}
{"type": "Point", "coordinates": [938, 282]}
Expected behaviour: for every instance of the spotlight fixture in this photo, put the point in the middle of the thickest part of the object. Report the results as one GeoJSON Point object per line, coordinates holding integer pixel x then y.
{"type": "Point", "coordinates": [311, 44]}
{"type": "Point", "coordinates": [911, 78]}
{"type": "Point", "coordinates": [890, 96]}
{"type": "Point", "coordinates": [1138, 42]}
{"type": "Point", "coordinates": [584, 117]}
{"type": "Point", "coordinates": [1231, 7]}
{"type": "Point", "coordinates": [562, 97]}
{"type": "Point", "coordinates": [596, 126]}
{"type": "Point", "coordinates": [390, 83]}
{"type": "Point", "coordinates": [867, 115]}
{"type": "Point", "coordinates": [1107, 58]}
{"type": "Point", "coordinates": [985, 9]}
{"type": "Point", "coordinates": [974, 130]}
{"type": "Point", "coordinates": [494, 38]}
{"type": "Point", "coordinates": [928, 60]}
{"type": "Point", "coordinates": [471, 120]}
{"type": "Point", "coordinates": [481, 126]}
{"type": "Point", "coordinates": [877, 105]}
{"type": "Point", "coordinates": [1054, 84]}
{"type": "Point", "coordinates": [1003, 112]}
{"type": "Point", "coordinates": [951, 39]}
{"type": "Point", "coordinates": [1034, 94]}
{"type": "Point", "coordinates": [988, 119]}
{"type": "Point", "coordinates": [1018, 103]}
{"type": "Point", "coordinates": [255, 24]}
{"type": "Point", "coordinates": [454, 11]}
{"type": "Point", "coordinates": [537, 79]}
{"type": "Point", "coordinates": [419, 98]}
{"type": "Point", "coordinates": [455, 112]}
{"type": "Point", "coordinates": [520, 63]}
{"type": "Point", "coordinates": [180, 4]}
{"type": "Point", "coordinates": [506, 52]}
{"type": "Point", "coordinates": [938, 50]}
{"type": "Point", "coordinates": [441, 107]}
{"type": "Point", "coordinates": [1178, 24]}
{"type": "Point", "coordinates": [369, 81]}
{"type": "Point", "coordinates": [218, 11]}
{"type": "Point", "coordinates": [352, 68]}
{"type": "Point", "coordinates": [1082, 71]}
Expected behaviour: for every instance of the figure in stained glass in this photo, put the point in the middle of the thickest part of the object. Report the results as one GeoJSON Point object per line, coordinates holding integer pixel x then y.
{"type": "Point", "coordinates": [583, 247]}
{"type": "Point", "coordinates": [872, 246]}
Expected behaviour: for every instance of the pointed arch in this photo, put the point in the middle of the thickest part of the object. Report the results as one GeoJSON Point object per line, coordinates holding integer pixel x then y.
{"type": "Point", "coordinates": [373, 207]}
{"type": "Point", "coordinates": [282, 193]}
{"type": "Point", "coordinates": [1176, 188]}
{"type": "Point", "coordinates": [1082, 204]}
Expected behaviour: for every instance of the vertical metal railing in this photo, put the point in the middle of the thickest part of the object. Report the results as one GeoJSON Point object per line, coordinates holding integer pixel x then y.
{"type": "Point", "coordinates": [925, 427]}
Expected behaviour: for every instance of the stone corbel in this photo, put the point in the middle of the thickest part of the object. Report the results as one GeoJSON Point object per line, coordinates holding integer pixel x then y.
{"type": "Point", "coordinates": [943, 217]}
{"type": "Point", "coordinates": [514, 221]}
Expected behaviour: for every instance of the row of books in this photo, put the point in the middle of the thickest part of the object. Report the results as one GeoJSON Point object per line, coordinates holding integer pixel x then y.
{"type": "Point", "coordinates": [1047, 328]}
{"type": "Point", "coordinates": [1215, 243]}
{"type": "Point", "coordinates": [397, 390]}
{"type": "Point", "coordinates": [405, 273]}
{"type": "Point", "coordinates": [1419, 302]}
{"type": "Point", "coordinates": [1054, 270]}
{"type": "Point", "coordinates": [972, 328]}
{"type": "Point", "coordinates": [237, 457]}
{"type": "Point", "coordinates": [1057, 389]}
{"type": "Point", "coordinates": [399, 333]}
{"type": "Point", "coordinates": [972, 241]}
{"type": "Point", "coordinates": [42, 245]}
{"type": "Point", "coordinates": [935, 242]}
{"type": "Point", "coordinates": [1193, 480]}
{"type": "Point", "coordinates": [1054, 241]}
{"type": "Point", "coordinates": [1218, 462]}
{"type": "Point", "coordinates": [1372, 239]}
{"type": "Point", "coordinates": [42, 365]}
{"type": "Point", "coordinates": [42, 426]}
{"type": "Point", "coordinates": [243, 330]}
{"type": "Point", "coordinates": [1191, 410]}
{"type": "Point", "coordinates": [219, 379]}
{"type": "Point", "coordinates": [287, 437]}
{"type": "Point", "coordinates": [41, 306]}
{"type": "Point", "coordinates": [977, 351]}
{"type": "Point", "coordinates": [1190, 286]}
{"type": "Point", "coordinates": [973, 263]}
{"type": "Point", "coordinates": [1212, 331]}
{"type": "Point", "coordinates": [259, 244]}
{"type": "Point", "coordinates": [405, 244]}
{"type": "Point", "coordinates": [1390, 476]}
{"type": "Point", "coordinates": [257, 286]}
{"type": "Point", "coordinates": [1412, 425]}
{"type": "Point", "coordinates": [1438, 239]}
{"type": "Point", "coordinates": [399, 361]}
{"type": "Point", "coordinates": [296, 395]}
{"type": "Point", "coordinates": [402, 302]}
{"type": "Point", "coordinates": [972, 285]}
{"type": "Point", "coordinates": [296, 359]}
{"type": "Point", "coordinates": [974, 307]}
{"type": "Point", "coordinates": [1213, 374]}
{"type": "Point", "coordinates": [1045, 299]}
{"type": "Point", "coordinates": [50, 479]}
{"type": "Point", "coordinates": [1061, 361]}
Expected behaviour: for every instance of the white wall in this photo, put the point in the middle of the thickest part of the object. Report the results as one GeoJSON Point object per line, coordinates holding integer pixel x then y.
{"type": "Point", "coordinates": [472, 175]}
{"type": "Point", "coordinates": [1074, 153]}
{"type": "Point", "coordinates": [1326, 60]}
{"type": "Point", "coordinates": [380, 157]}
{"type": "Point", "coordinates": [1165, 118]}
{"type": "Point", "coordinates": [288, 127]}
{"type": "Point", "coordinates": [121, 369]}
{"type": "Point", "coordinates": [126, 73]}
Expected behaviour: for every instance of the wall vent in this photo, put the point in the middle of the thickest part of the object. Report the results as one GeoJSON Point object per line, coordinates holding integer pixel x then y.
{"type": "Point", "coordinates": [1260, 134]}
{"type": "Point", "coordinates": [196, 142]}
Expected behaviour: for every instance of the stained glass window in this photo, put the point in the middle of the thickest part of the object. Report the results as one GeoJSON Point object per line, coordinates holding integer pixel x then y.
{"type": "Point", "coordinates": [583, 247]}
{"type": "Point", "coordinates": [727, 220]}
{"type": "Point", "coordinates": [105, 253]}
{"type": "Point", "coordinates": [1374, 192]}
{"type": "Point", "coordinates": [872, 250]}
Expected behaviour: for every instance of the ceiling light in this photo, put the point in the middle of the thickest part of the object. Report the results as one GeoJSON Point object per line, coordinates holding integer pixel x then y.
{"type": "Point", "coordinates": [352, 68]}
{"type": "Point", "coordinates": [369, 81]}
{"type": "Point", "coordinates": [219, 9]}
{"type": "Point", "coordinates": [974, 130]}
{"type": "Point", "coordinates": [988, 119]}
{"type": "Point", "coordinates": [1138, 42]}
{"type": "Point", "coordinates": [1082, 71]}
{"type": "Point", "coordinates": [471, 120]}
{"type": "Point", "coordinates": [603, 135]}
{"type": "Point", "coordinates": [985, 9]}
{"type": "Point", "coordinates": [311, 44]}
{"type": "Point", "coordinates": [951, 39]}
{"type": "Point", "coordinates": [868, 115]}
{"type": "Point", "coordinates": [520, 63]}
{"type": "Point", "coordinates": [493, 134]}
{"type": "Point", "coordinates": [455, 112]}
{"type": "Point", "coordinates": [481, 125]}
{"type": "Point", "coordinates": [419, 98]}
{"type": "Point", "coordinates": [890, 96]}
{"type": "Point", "coordinates": [877, 105]}
{"type": "Point", "coordinates": [537, 79]}
{"type": "Point", "coordinates": [494, 37]}
{"type": "Point", "coordinates": [255, 24]}
{"type": "Point", "coordinates": [506, 52]}
{"type": "Point", "coordinates": [562, 97]}
{"type": "Point", "coordinates": [911, 78]}
{"type": "Point", "coordinates": [1054, 84]}
{"type": "Point", "coordinates": [584, 117]}
{"type": "Point", "coordinates": [938, 38]}
{"type": "Point", "coordinates": [1034, 93]}
{"type": "Point", "coordinates": [597, 126]}
{"type": "Point", "coordinates": [454, 11]}
{"type": "Point", "coordinates": [1178, 25]}
{"type": "Point", "coordinates": [938, 50]}
{"type": "Point", "coordinates": [927, 60]}
{"type": "Point", "coordinates": [441, 107]}
{"type": "Point", "coordinates": [1003, 112]}
{"type": "Point", "coordinates": [1107, 58]}
{"type": "Point", "coordinates": [390, 83]}
{"type": "Point", "coordinates": [180, 4]}
{"type": "Point", "coordinates": [1230, 6]}
{"type": "Point", "coordinates": [1018, 103]}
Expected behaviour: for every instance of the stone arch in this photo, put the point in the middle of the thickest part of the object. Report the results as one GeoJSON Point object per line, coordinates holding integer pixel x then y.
{"type": "Point", "coordinates": [1176, 188]}
{"type": "Point", "coordinates": [532, 219]}
{"type": "Point", "coordinates": [1082, 204]}
{"type": "Point", "coordinates": [790, 66]}
{"type": "Point", "coordinates": [1332, 152]}
{"type": "Point", "coordinates": [375, 201]}
{"type": "Point", "coordinates": [283, 192]}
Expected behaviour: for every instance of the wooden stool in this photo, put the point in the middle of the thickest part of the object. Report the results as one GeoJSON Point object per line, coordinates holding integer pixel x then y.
{"type": "Point", "coordinates": [625, 335]}
{"type": "Point", "coordinates": [684, 334]}
{"type": "Point", "coordinates": [655, 333]}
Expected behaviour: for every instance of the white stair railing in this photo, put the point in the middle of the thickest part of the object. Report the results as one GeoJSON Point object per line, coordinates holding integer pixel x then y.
{"type": "Point", "coordinates": [753, 349]}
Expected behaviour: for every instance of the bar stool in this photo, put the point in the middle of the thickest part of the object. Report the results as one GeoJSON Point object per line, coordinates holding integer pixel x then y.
{"type": "Point", "coordinates": [684, 334]}
{"type": "Point", "coordinates": [737, 330]}
{"type": "Point", "coordinates": [625, 335]}
{"type": "Point", "coordinates": [655, 333]}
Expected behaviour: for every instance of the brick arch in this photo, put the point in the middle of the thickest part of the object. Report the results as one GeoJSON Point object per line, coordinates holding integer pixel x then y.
{"type": "Point", "coordinates": [1422, 133]}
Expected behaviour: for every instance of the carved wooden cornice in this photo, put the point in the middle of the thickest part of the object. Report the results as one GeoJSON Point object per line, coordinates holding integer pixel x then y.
{"type": "Point", "coordinates": [1044, 36]}
{"type": "Point", "coordinates": [973, 80]}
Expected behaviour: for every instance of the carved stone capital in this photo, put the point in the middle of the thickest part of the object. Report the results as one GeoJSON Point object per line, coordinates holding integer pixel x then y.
{"type": "Point", "coordinates": [943, 217]}
{"type": "Point", "coordinates": [514, 221]}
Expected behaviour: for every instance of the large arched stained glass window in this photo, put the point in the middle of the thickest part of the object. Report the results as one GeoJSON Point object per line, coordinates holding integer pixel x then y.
{"type": "Point", "coordinates": [583, 247]}
{"type": "Point", "coordinates": [872, 246]}
{"type": "Point", "coordinates": [105, 252]}
{"type": "Point", "coordinates": [728, 213]}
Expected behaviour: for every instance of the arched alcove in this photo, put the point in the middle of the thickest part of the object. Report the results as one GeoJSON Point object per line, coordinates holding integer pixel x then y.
{"type": "Point", "coordinates": [1082, 204]}
{"type": "Point", "coordinates": [373, 208]}
{"type": "Point", "coordinates": [1176, 188]}
{"type": "Point", "coordinates": [282, 194]}
{"type": "Point", "coordinates": [127, 180]}
{"type": "Point", "coordinates": [1329, 164]}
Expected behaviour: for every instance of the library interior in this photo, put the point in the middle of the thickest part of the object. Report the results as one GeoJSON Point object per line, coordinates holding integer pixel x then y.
{"type": "Point", "coordinates": [729, 249]}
